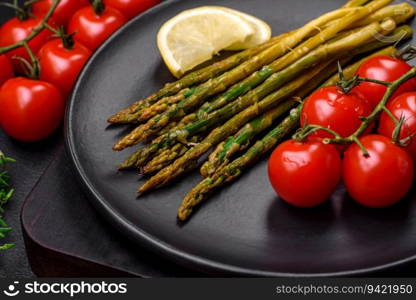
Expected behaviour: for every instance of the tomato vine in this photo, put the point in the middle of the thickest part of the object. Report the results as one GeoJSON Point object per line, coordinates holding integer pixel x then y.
{"type": "Point", "coordinates": [347, 85]}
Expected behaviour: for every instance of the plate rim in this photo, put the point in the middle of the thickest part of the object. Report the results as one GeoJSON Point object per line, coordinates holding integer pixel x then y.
{"type": "Point", "coordinates": [152, 243]}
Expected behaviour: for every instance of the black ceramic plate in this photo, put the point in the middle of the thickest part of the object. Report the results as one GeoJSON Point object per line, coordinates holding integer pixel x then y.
{"type": "Point", "coordinates": [244, 229]}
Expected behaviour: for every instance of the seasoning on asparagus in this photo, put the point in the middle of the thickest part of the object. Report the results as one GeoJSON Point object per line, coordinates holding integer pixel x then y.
{"type": "Point", "coordinates": [139, 158]}
{"type": "Point", "coordinates": [131, 113]}
{"type": "Point", "coordinates": [225, 150]}
{"type": "Point", "coordinates": [220, 156]}
{"type": "Point", "coordinates": [230, 171]}
{"type": "Point", "coordinates": [167, 156]}
{"type": "Point", "coordinates": [233, 170]}
{"type": "Point", "coordinates": [167, 140]}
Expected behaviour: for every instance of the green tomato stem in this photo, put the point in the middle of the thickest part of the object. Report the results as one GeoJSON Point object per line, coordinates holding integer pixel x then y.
{"type": "Point", "coordinates": [98, 6]}
{"type": "Point", "coordinates": [391, 89]}
{"type": "Point", "coordinates": [35, 31]}
{"type": "Point", "coordinates": [34, 70]}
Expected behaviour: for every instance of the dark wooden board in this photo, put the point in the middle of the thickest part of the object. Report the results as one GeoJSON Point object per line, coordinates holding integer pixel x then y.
{"type": "Point", "coordinates": [65, 237]}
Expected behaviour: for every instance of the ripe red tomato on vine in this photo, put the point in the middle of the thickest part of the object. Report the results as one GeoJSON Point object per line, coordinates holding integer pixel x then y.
{"type": "Point", "coordinates": [93, 26]}
{"type": "Point", "coordinates": [331, 108]}
{"type": "Point", "coordinates": [62, 13]}
{"type": "Point", "coordinates": [6, 69]}
{"type": "Point", "coordinates": [131, 8]}
{"type": "Point", "coordinates": [314, 165]}
{"type": "Point", "coordinates": [380, 179]}
{"type": "Point", "coordinates": [15, 30]}
{"type": "Point", "coordinates": [403, 106]}
{"type": "Point", "coordinates": [383, 68]}
{"type": "Point", "coordinates": [30, 110]}
{"type": "Point", "coordinates": [61, 64]}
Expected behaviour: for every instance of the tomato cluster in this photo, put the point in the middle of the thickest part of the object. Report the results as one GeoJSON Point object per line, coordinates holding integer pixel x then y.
{"type": "Point", "coordinates": [378, 168]}
{"type": "Point", "coordinates": [32, 108]}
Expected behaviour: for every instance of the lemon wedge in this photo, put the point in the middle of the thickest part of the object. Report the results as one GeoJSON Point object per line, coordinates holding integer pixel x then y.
{"type": "Point", "coordinates": [196, 35]}
{"type": "Point", "coordinates": [262, 31]}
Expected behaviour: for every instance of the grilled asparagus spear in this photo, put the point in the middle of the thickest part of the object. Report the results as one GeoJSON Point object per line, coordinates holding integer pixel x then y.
{"type": "Point", "coordinates": [131, 113]}
{"type": "Point", "coordinates": [234, 169]}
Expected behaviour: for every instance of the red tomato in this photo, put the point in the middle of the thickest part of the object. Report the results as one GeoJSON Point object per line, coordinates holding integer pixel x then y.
{"type": "Point", "coordinates": [6, 69]}
{"type": "Point", "coordinates": [15, 30]}
{"type": "Point", "coordinates": [305, 174]}
{"type": "Point", "coordinates": [61, 66]}
{"type": "Point", "coordinates": [332, 109]}
{"type": "Point", "coordinates": [402, 106]}
{"type": "Point", "coordinates": [63, 12]}
{"type": "Point", "coordinates": [381, 179]}
{"type": "Point", "coordinates": [92, 29]}
{"type": "Point", "coordinates": [131, 8]}
{"type": "Point", "coordinates": [383, 68]}
{"type": "Point", "coordinates": [30, 110]}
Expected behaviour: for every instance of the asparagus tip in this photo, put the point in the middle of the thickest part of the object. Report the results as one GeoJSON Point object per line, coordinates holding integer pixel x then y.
{"type": "Point", "coordinates": [112, 119]}
{"type": "Point", "coordinates": [183, 214]}
{"type": "Point", "coordinates": [118, 147]}
{"type": "Point", "coordinates": [144, 171]}
{"type": "Point", "coordinates": [148, 170]}
{"type": "Point", "coordinates": [143, 189]}
{"type": "Point", "coordinates": [124, 166]}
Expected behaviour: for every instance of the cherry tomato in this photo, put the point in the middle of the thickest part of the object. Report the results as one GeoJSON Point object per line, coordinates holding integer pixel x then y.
{"type": "Point", "coordinates": [402, 106]}
{"type": "Point", "coordinates": [30, 110]}
{"type": "Point", "coordinates": [305, 174]}
{"type": "Point", "coordinates": [382, 178]}
{"type": "Point", "coordinates": [6, 69]}
{"type": "Point", "coordinates": [131, 8]}
{"type": "Point", "coordinates": [383, 68]}
{"type": "Point", "coordinates": [61, 66]}
{"type": "Point", "coordinates": [15, 30]}
{"type": "Point", "coordinates": [332, 109]}
{"type": "Point", "coordinates": [63, 12]}
{"type": "Point", "coordinates": [93, 29]}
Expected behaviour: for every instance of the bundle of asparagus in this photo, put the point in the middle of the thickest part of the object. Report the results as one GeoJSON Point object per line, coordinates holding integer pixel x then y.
{"type": "Point", "coordinates": [253, 89]}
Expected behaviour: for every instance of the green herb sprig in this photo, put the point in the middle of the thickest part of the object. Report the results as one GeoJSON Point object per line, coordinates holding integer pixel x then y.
{"type": "Point", "coordinates": [5, 194]}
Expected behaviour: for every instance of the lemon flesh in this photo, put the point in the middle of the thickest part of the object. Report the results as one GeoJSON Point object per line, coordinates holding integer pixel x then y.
{"type": "Point", "coordinates": [196, 35]}
{"type": "Point", "coordinates": [262, 31]}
